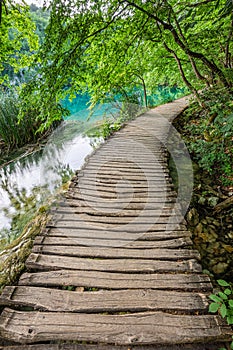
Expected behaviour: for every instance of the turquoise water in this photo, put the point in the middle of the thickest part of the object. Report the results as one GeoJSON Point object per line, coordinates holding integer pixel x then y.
{"type": "Point", "coordinates": [79, 106]}
{"type": "Point", "coordinates": [79, 110]}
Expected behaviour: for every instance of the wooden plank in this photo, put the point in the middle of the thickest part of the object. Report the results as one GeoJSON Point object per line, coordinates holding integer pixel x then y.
{"type": "Point", "coordinates": [76, 195]}
{"type": "Point", "coordinates": [161, 187]}
{"type": "Point", "coordinates": [123, 237]}
{"type": "Point", "coordinates": [112, 182]}
{"type": "Point", "coordinates": [66, 210]}
{"type": "Point", "coordinates": [71, 241]}
{"type": "Point", "coordinates": [135, 224]}
{"type": "Point", "coordinates": [113, 216]}
{"type": "Point", "coordinates": [161, 194]}
{"type": "Point", "coordinates": [124, 163]}
{"type": "Point", "coordinates": [139, 170]}
{"type": "Point", "coordinates": [47, 299]}
{"type": "Point", "coordinates": [56, 262]}
{"type": "Point", "coordinates": [106, 280]}
{"type": "Point", "coordinates": [116, 253]}
{"type": "Point", "coordinates": [138, 328]}
{"type": "Point", "coordinates": [66, 346]}
{"type": "Point", "coordinates": [139, 229]}
{"type": "Point", "coordinates": [126, 167]}
{"type": "Point", "coordinates": [129, 177]}
{"type": "Point", "coordinates": [82, 207]}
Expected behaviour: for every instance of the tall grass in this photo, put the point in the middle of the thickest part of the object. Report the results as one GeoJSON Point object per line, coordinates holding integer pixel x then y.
{"type": "Point", "coordinates": [15, 134]}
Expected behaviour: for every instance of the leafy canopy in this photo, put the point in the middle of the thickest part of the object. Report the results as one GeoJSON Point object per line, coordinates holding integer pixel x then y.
{"type": "Point", "coordinates": [103, 46]}
{"type": "Point", "coordinates": [17, 40]}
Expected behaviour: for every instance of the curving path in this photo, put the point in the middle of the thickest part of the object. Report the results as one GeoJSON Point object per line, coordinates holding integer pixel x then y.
{"type": "Point", "coordinates": [115, 268]}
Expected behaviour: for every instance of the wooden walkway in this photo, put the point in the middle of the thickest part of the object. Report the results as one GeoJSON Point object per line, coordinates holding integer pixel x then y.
{"type": "Point", "coordinates": [115, 268]}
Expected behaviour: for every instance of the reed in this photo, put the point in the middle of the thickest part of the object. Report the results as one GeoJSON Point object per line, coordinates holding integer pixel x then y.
{"type": "Point", "coordinates": [15, 134]}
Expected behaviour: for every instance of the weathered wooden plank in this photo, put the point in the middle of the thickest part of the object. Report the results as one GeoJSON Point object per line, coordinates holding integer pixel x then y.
{"type": "Point", "coordinates": [126, 167]}
{"type": "Point", "coordinates": [56, 262]}
{"type": "Point", "coordinates": [106, 280]}
{"type": "Point", "coordinates": [75, 207]}
{"type": "Point", "coordinates": [139, 170]}
{"type": "Point", "coordinates": [139, 328]}
{"type": "Point", "coordinates": [117, 252]}
{"type": "Point", "coordinates": [74, 194]}
{"type": "Point", "coordinates": [124, 163]}
{"type": "Point", "coordinates": [129, 177]}
{"type": "Point", "coordinates": [128, 195]}
{"type": "Point", "coordinates": [161, 187]}
{"type": "Point", "coordinates": [120, 236]}
{"type": "Point", "coordinates": [66, 346]}
{"type": "Point", "coordinates": [47, 299]}
{"type": "Point", "coordinates": [121, 184]}
{"type": "Point", "coordinates": [71, 215]}
{"type": "Point", "coordinates": [132, 224]}
{"type": "Point", "coordinates": [71, 241]}
{"type": "Point", "coordinates": [82, 207]}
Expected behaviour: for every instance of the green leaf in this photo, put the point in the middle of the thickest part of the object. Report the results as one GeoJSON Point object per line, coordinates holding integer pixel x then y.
{"type": "Point", "coordinates": [231, 303]}
{"type": "Point", "coordinates": [223, 310]}
{"type": "Point", "coordinates": [214, 307]}
{"type": "Point", "coordinates": [231, 345]}
{"type": "Point", "coordinates": [223, 283]}
{"type": "Point", "coordinates": [215, 298]}
{"type": "Point", "coordinates": [230, 319]}
{"type": "Point", "coordinates": [223, 296]}
{"type": "Point", "coordinates": [227, 291]}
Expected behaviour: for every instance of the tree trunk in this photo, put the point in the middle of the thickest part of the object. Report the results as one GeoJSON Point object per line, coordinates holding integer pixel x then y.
{"type": "Point", "coordinates": [188, 84]}
{"type": "Point", "coordinates": [177, 38]}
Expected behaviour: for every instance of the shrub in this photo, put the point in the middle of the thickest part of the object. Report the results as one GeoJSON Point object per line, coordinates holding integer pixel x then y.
{"type": "Point", "coordinates": [15, 134]}
{"type": "Point", "coordinates": [210, 133]}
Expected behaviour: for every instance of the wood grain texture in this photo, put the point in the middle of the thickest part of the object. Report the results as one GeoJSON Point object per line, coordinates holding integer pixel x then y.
{"type": "Point", "coordinates": [66, 346]}
{"type": "Point", "coordinates": [117, 253]}
{"type": "Point", "coordinates": [106, 280]}
{"type": "Point", "coordinates": [56, 262]}
{"type": "Point", "coordinates": [104, 301]}
{"type": "Point", "coordinates": [72, 241]}
{"type": "Point", "coordinates": [138, 328]}
{"type": "Point", "coordinates": [121, 235]}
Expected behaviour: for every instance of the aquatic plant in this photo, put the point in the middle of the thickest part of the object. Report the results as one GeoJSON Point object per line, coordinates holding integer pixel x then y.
{"type": "Point", "coordinates": [15, 134]}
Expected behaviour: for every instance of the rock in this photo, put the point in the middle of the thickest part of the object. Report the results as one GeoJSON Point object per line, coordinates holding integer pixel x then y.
{"type": "Point", "coordinates": [209, 220]}
{"type": "Point", "coordinates": [220, 268]}
{"type": "Point", "coordinates": [216, 223]}
{"type": "Point", "coordinates": [212, 201]}
{"type": "Point", "coordinates": [193, 217]}
{"type": "Point", "coordinates": [198, 228]}
{"type": "Point", "coordinates": [202, 200]}
{"type": "Point", "coordinates": [212, 232]}
{"type": "Point", "coordinates": [228, 248]}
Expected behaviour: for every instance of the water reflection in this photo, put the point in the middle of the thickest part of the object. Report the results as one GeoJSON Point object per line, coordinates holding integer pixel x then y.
{"type": "Point", "coordinates": [27, 182]}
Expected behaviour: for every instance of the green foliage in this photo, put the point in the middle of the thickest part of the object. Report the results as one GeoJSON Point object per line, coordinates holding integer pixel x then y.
{"type": "Point", "coordinates": [210, 134]}
{"type": "Point", "coordinates": [17, 40]}
{"type": "Point", "coordinates": [104, 47]}
{"type": "Point", "coordinates": [106, 129]}
{"type": "Point", "coordinates": [12, 133]}
{"type": "Point", "coordinates": [222, 302]}
{"type": "Point", "coordinates": [15, 133]}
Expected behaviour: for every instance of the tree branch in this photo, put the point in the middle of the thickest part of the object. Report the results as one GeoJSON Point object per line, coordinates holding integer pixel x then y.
{"type": "Point", "coordinates": [183, 45]}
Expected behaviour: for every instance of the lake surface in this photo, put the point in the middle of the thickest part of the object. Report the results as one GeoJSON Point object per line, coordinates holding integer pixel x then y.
{"type": "Point", "coordinates": [27, 182]}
